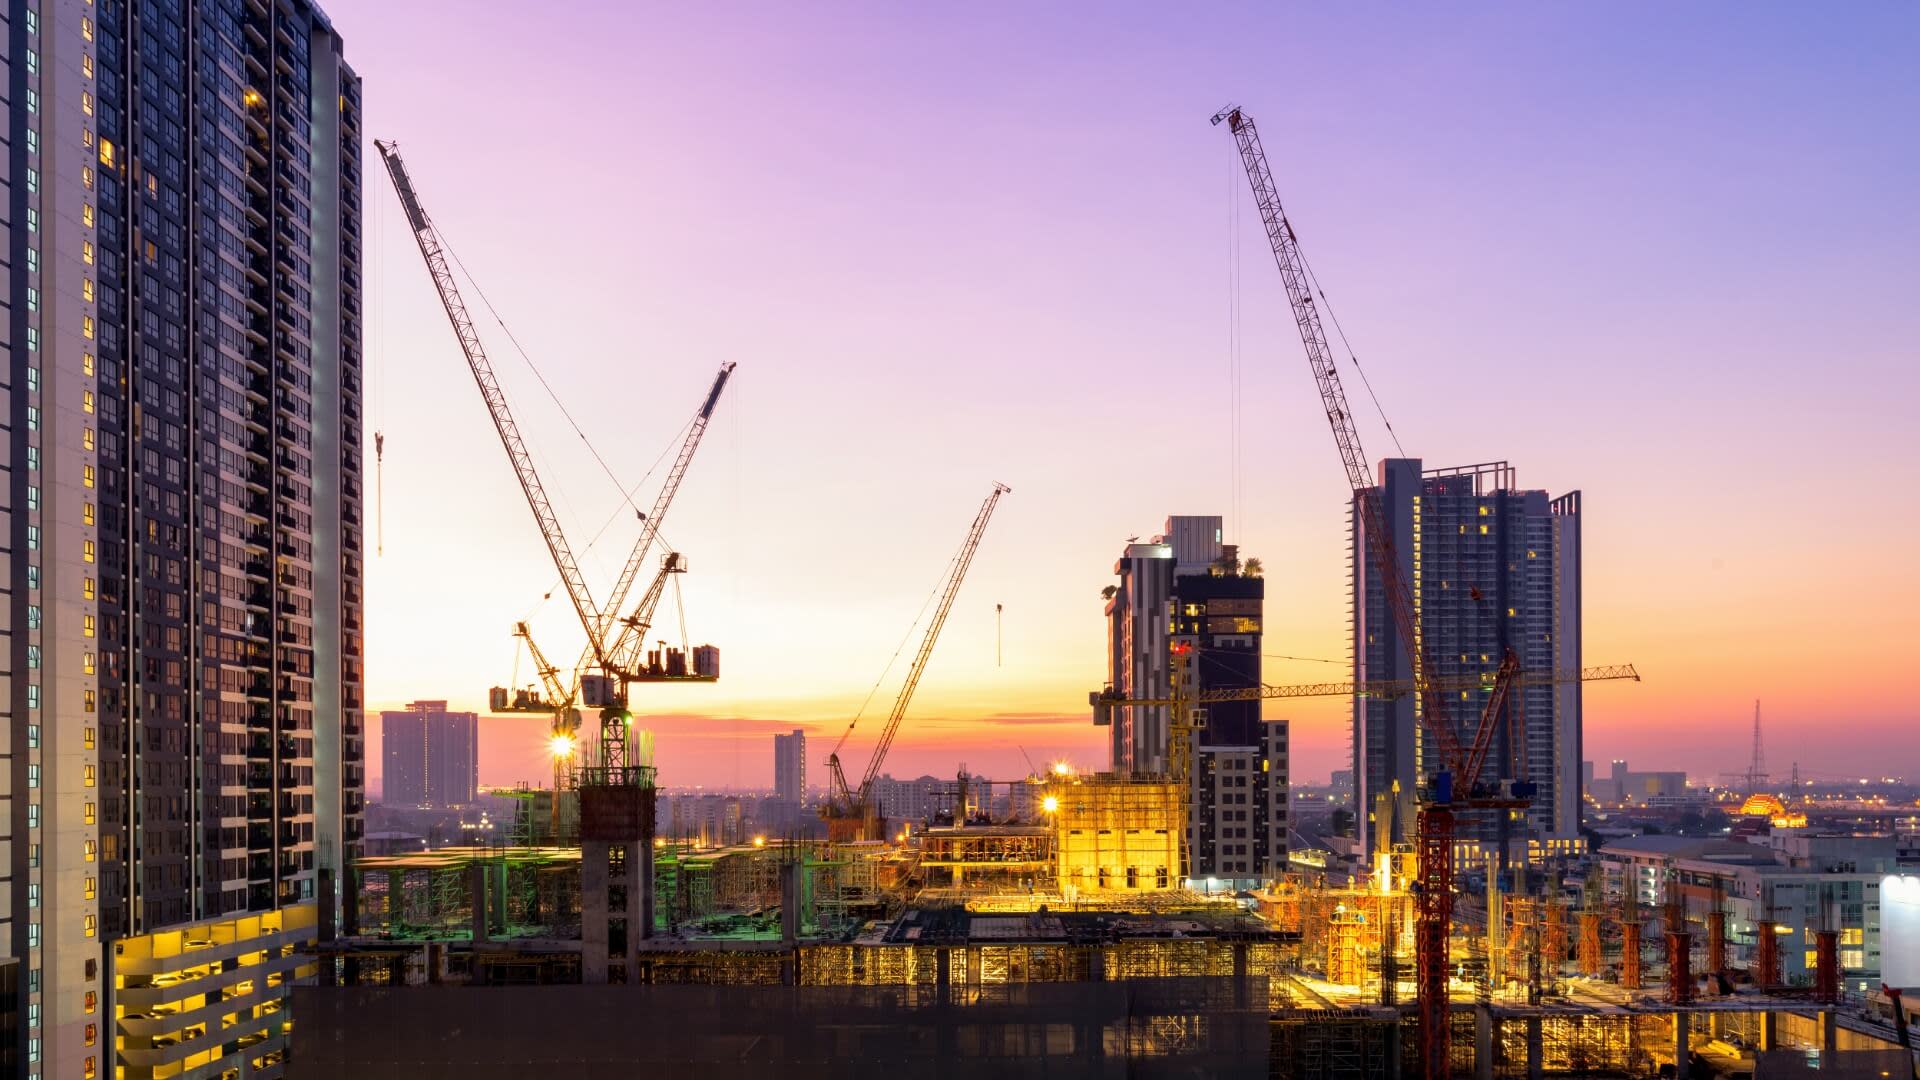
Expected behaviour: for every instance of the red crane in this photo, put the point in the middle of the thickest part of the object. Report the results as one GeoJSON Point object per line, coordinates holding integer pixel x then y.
{"type": "Point", "coordinates": [1460, 764]}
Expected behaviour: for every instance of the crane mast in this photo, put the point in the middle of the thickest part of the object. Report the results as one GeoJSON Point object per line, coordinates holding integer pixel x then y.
{"type": "Point", "coordinates": [434, 252]}
{"type": "Point", "coordinates": [854, 809]}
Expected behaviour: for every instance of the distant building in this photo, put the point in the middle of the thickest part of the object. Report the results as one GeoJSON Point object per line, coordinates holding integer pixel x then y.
{"type": "Point", "coordinates": [912, 802]}
{"type": "Point", "coordinates": [1623, 786]}
{"type": "Point", "coordinates": [429, 756]}
{"type": "Point", "coordinates": [790, 767]}
{"type": "Point", "coordinates": [1796, 882]}
{"type": "Point", "coordinates": [1188, 589]}
{"type": "Point", "coordinates": [1491, 568]}
{"type": "Point", "coordinates": [708, 819]}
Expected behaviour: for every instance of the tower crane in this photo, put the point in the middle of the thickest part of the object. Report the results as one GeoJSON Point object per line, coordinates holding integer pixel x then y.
{"type": "Point", "coordinates": [1189, 714]}
{"type": "Point", "coordinates": [851, 813]}
{"type": "Point", "coordinates": [1455, 786]}
{"type": "Point", "coordinates": [608, 686]}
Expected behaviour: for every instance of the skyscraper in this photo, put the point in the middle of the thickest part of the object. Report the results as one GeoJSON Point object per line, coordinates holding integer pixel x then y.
{"type": "Point", "coordinates": [429, 756]}
{"type": "Point", "coordinates": [1187, 589]}
{"type": "Point", "coordinates": [790, 767]}
{"type": "Point", "coordinates": [1490, 567]}
{"type": "Point", "coordinates": [183, 335]}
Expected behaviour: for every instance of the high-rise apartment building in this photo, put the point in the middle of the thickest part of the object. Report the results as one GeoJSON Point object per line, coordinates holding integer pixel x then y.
{"type": "Point", "coordinates": [1490, 567]}
{"type": "Point", "coordinates": [182, 329]}
{"type": "Point", "coordinates": [429, 756]}
{"type": "Point", "coordinates": [790, 767]}
{"type": "Point", "coordinates": [1188, 590]}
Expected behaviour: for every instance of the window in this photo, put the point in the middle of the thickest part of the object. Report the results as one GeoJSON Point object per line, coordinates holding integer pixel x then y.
{"type": "Point", "coordinates": [86, 475]}
{"type": "Point", "coordinates": [86, 775]}
{"type": "Point", "coordinates": [91, 924]}
{"type": "Point", "coordinates": [86, 289]}
{"type": "Point", "coordinates": [106, 153]}
{"type": "Point", "coordinates": [86, 548]}
{"type": "Point", "coordinates": [86, 364]}
{"type": "Point", "coordinates": [86, 66]}
{"type": "Point", "coordinates": [86, 740]}
{"type": "Point", "coordinates": [86, 701]}
{"type": "Point", "coordinates": [93, 1032]}
{"type": "Point", "coordinates": [86, 401]}
{"type": "Point", "coordinates": [86, 28]}
{"type": "Point", "coordinates": [86, 668]}
{"type": "Point", "coordinates": [86, 327]}
{"type": "Point", "coordinates": [89, 849]}
{"type": "Point", "coordinates": [86, 626]}
{"type": "Point", "coordinates": [86, 584]}
{"type": "Point", "coordinates": [86, 513]}
{"type": "Point", "coordinates": [86, 252]}
{"type": "Point", "coordinates": [87, 813]}
{"type": "Point", "coordinates": [90, 1002]}
{"type": "Point", "coordinates": [86, 215]}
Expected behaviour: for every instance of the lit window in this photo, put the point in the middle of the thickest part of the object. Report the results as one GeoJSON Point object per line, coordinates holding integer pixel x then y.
{"type": "Point", "coordinates": [1483, 530]}
{"type": "Point", "coordinates": [86, 401]}
{"type": "Point", "coordinates": [86, 28]}
{"type": "Point", "coordinates": [86, 475]}
{"type": "Point", "coordinates": [86, 289]}
{"type": "Point", "coordinates": [86, 176]}
{"type": "Point", "coordinates": [86, 364]}
{"type": "Point", "coordinates": [86, 215]}
{"type": "Point", "coordinates": [86, 734]}
{"type": "Point", "coordinates": [86, 252]}
{"type": "Point", "coordinates": [90, 1002]}
{"type": "Point", "coordinates": [86, 668]}
{"type": "Point", "coordinates": [86, 775]}
{"type": "Point", "coordinates": [88, 850]}
{"type": "Point", "coordinates": [86, 551]}
{"type": "Point", "coordinates": [91, 923]}
{"type": "Point", "coordinates": [86, 584]}
{"type": "Point", "coordinates": [88, 1069]}
{"type": "Point", "coordinates": [86, 513]}
{"type": "Point", "coordinates": [106, 153]}
{"type": "Point", "coordinates": [86, 327]}
{"type": "Point", "coordinates": [86, 701]}
{"type": "Point", "coordinates": [86, 626]}
{"type": "Point", "coordinates": [86, 66]}
{"type": "Point", "coordinates": [86, 812]}
{"type": "Point", "coordinates": [93, 1032]}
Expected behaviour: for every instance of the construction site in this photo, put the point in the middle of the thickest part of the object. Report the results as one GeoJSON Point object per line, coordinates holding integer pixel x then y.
{"type": "Point", "coordinates": [1067, 935]}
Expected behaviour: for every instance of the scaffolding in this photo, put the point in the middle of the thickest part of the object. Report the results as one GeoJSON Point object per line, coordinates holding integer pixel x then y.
{"type": "Point", "coordinates": [529, 891]}
{"type": "Point", "coordinates": [1117, 835]}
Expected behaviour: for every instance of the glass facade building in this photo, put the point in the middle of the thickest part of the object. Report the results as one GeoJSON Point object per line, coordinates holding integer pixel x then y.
{"type": "Point", "coordinates": [182, 327]}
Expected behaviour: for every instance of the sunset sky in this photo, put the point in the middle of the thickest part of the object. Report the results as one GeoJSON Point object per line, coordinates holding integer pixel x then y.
{"type": "Point", "coordinates": [1662, 254]}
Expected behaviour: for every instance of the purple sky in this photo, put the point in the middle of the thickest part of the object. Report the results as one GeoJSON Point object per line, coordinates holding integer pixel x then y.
{"type": "Point", "coordinates": [1665, 255]}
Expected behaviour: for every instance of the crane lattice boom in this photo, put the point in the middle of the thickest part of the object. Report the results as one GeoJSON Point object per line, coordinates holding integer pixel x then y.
{"type": "Point", "coordinates": [1346, 437]}
{"type": "Point", "coordinates": [434, 252]}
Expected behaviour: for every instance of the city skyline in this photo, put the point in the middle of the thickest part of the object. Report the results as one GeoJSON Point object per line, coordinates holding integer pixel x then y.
{"type": "Point", "coordinates": [855, 442]}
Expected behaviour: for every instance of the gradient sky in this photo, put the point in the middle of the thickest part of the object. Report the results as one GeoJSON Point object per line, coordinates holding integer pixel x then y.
{"type": "Point", "coordinates": [1662, 254]}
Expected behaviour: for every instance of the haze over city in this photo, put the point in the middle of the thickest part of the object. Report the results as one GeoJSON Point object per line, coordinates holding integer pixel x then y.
{"type": "Point", "coordinates": [1642, 252]}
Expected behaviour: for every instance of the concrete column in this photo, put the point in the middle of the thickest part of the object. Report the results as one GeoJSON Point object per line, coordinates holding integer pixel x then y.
{"type": "Point", "coordinates": [1536, 1049]}
{"type": "Point", "coordinates": [1482, 1042]}
{"type": "Point", "coordinates": [497, 897]}
{"type": "Point", "coordinates": [790, 903]}
{"type": "Point", "coordinates": [477, 898]}
{"type": "Point", "coordinates": [396, 897]}
{"type": "Point", "coordinates": [1769, 1031]}
{"type": "Point", "coordinates": [594, 870]}
{"type": "Point", "coordinates": [1829, 1031]}
{"type": "Point", "coordinates": [639, 867]}
{"type": "Point", "coordinates": [1097, 965]}
{"type": "Point", "coordinates": [1240, 974]}
{"type": "Point", "coordinates": [1394, 1050]}
{"type": "Point", "coordinates": [350, 904]}
{"type": "Point", "coordinates": [645, 861]}
{"type": "Point", "coordinates": [973, 966]}
{"type": "Point", "coordinates": [436, 962]}
{"type": "Point", "coordinates": [1682, 1049]}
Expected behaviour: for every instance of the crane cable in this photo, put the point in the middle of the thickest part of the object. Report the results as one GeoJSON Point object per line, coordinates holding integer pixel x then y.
{"type": "Point", "coordinates": [898, 649]}
{"type": "Point", "coordinates": [535, 368]}
{"type": "Point", "coordinates": [1327, 306]}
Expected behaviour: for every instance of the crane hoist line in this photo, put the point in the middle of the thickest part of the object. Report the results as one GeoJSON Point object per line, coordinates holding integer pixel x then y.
{"type": "Point", "coordinates": [851, 813]}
